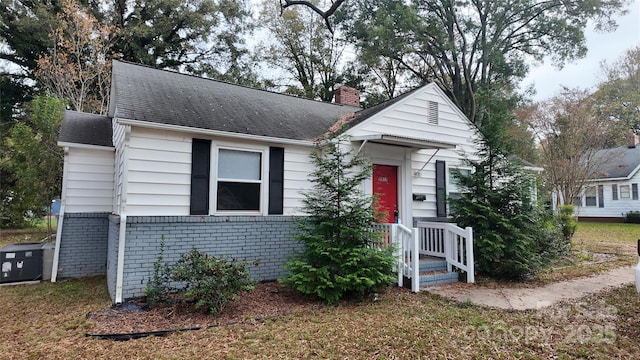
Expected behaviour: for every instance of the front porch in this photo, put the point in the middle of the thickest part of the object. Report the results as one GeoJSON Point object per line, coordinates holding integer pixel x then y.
{"type": "Point", "coordinates": [430, 254]}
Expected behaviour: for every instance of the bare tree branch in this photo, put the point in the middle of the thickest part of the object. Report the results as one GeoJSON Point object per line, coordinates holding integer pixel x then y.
{"type": "Point", "coordinates": [324, 14]}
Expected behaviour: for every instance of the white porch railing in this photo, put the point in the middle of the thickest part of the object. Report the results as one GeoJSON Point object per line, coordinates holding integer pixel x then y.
{"type": "Point", "coordinates": [443, 240]}
{"type": "Point", "coordinates": [451, 242]}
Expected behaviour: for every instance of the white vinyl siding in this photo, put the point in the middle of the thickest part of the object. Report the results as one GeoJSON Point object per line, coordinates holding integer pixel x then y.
{"type": "Point", "coordinates": [119, 132]}
{"type": "Point", "coordinates": [89, 180]}
{"type": "Point", "coordinates": [159, 176]}
{"type": "Point", "coordinates": [410, 119]}
{"type": "Point", "coordinates": [297, 167]}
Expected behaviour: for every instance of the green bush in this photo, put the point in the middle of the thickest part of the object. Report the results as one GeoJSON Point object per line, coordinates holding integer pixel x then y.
{"type": "Point", "coordinates": [568, 223]}
{"type": "Point", "coordinates": [340, 258]}
{"type": "Point", "coordinates": [209, 281]}
{"type": "Point", "coordinates": [158, 288]}
{"type": "Point", "coordinates": [632, 217]}
{"type": "Point", "coordinates": [337, 273]}
{"type": "Point", "coordinates": [513, 237]}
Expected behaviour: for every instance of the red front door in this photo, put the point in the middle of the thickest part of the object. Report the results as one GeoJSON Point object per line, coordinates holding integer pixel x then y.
{"type": "Point", "coordinates": [385, 186]}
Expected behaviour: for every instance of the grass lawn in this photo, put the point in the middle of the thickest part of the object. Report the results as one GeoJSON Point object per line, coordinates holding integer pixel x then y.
{"type": "Point", "coordinates": [620, 239]}
{"type": "Point", "coordinates": [49, 321]}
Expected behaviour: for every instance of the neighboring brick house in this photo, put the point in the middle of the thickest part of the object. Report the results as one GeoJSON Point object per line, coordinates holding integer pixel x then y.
{"type": "Point", "coordinates": [222, 168]}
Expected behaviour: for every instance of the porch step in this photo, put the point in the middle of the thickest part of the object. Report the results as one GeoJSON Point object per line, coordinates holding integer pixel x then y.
{"type": "Point", "coordinates": [428, 280]}
{"type": "Point", "coordinates": [430, 264]}
{"type": "Point", "coordinates": [433, 271]}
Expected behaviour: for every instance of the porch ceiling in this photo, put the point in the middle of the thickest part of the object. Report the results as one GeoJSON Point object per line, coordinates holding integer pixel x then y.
{"type": "Point", "coordinates": [415, 143]}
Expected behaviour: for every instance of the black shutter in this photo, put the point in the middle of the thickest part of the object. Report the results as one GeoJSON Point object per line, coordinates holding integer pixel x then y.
{"type": "Point", "coordinates": [276, 180]}
{"type": "Point", "coordinates": [441, 189]}
{"type": "Point", "coordinates": [200, 170]}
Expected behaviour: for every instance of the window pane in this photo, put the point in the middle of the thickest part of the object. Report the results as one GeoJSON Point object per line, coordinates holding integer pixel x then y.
{"type": "Point", "coordinates": [238, 196]}
{"type": "Point", "coordinates": [240, 165]}
{"type": "Point", "coordinates": [590, 196]}
{"type": "Point", "coordinates": [614, 192]}
{"type": "Point", "coordinates": [453, 175]}
{"type": "Point", "coordinates": [634, 191]}
{"type": "Point", "coordinates": [601, 196]}
{"type": "Point", "coordinates": [624, 192]}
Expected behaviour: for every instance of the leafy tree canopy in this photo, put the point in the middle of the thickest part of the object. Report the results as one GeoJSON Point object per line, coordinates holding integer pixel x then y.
{"type": "Point", "coordinates": [466, 46]}
{"type": "Point", "coordinates": [173, 33]}
{"type": "Point", "coordinates": [618, 96]}
{"type": "Point", "coordinates": [33, 161]}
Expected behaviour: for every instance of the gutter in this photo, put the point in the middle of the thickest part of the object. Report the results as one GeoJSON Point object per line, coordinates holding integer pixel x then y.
{"type": "Point", "coordinates": [63, 201]}
{"type": "Point", "coordinates": [123, 218]}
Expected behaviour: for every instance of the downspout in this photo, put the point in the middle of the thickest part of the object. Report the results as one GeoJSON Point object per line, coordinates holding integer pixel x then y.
{"type": "Point", "coordinates": [123, 218]}
{"type": "Point", "coordinates": [63, 201]}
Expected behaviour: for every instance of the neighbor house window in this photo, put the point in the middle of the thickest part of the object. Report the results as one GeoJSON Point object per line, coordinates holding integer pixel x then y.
{"type": "Point", "coordinates": [590, 197]}
{"type": "Point", "coordinates": [601, 196]}
{"type": "Point", "coordinates": [625, 192]}
{"type": "Point", "coordinates": [239, 180]}
{"type": "Point", "coordinates": [634, 191]}
{"type": "Point", "coordinates": [614, 192]}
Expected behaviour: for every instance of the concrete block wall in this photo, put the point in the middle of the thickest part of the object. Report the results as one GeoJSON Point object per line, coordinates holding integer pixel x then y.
{"type": "Point", "coordinates": [83, 244]}
{"type": "Point", "coordinates": [268, 239]}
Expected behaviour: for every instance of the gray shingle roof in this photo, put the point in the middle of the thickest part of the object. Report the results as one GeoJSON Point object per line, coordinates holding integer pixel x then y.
{"type": "Point", "coordinates": [617, 162]}
{"type": "Point", "coordinates": [147, 94]}
{"type": "Point", "coordinates": [88, 129]}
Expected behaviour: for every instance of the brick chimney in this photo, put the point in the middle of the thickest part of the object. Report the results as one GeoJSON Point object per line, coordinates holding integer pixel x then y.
{"type": "Point", "coordinates": [633, 140]}
{"type": "Point", "coordinates": [347, 96]}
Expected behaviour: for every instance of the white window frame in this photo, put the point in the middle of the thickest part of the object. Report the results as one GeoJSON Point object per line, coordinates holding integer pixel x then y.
{"type": "Point", "coordinates": [622, 192]}
{"type": "Point", "coordinates": [264, 176]}
{"type": "Point", "coordinates": [452, 186]}
{"type": "Point", "coordinates": [595, 196]}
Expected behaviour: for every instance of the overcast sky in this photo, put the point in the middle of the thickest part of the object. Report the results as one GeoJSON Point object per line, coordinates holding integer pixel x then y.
{"type": "Point", "coordinates": [585, 73]}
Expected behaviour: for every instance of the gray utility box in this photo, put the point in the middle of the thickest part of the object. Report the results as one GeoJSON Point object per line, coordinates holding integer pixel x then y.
{"type": "Point", "coordinates": [21, 262]}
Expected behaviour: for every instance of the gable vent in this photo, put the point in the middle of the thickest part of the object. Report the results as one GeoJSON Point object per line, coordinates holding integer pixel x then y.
{"type": "Point", "coordinates": [433, 113]}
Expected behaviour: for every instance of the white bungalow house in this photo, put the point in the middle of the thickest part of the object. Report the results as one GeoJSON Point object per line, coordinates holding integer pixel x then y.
{"type": "Point", "coordinates": [222, 168]}
{"type": "Point", "coordinates": [612, 191]}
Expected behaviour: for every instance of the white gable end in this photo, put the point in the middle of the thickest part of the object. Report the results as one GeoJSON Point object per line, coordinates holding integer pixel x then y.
{"type": "Point", "coordinates": [413, 117]}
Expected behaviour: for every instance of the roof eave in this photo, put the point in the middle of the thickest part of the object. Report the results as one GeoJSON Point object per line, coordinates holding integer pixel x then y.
{"type": "Point", "coordinates": [209, 132]}
{"type": "Point", "coordinates": [85, 146]}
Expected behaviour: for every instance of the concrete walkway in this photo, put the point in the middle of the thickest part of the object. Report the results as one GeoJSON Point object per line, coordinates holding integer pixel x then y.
{"type": "Point", "coordinates": [537, 297]}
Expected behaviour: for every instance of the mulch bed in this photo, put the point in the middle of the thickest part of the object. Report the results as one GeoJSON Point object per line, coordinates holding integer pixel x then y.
{"type": "Point", "coordinates": [134, 320]}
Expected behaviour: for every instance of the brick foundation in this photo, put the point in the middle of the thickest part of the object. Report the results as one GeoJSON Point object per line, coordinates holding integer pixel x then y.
{"type": "Point", "coordinates": [268, 239]}
{"type": "Point", "coordinates": [83, 249]}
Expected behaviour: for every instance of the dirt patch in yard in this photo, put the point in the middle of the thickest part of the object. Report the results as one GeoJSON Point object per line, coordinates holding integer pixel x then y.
{"type": "Point", "coordinates": [268, 300]}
